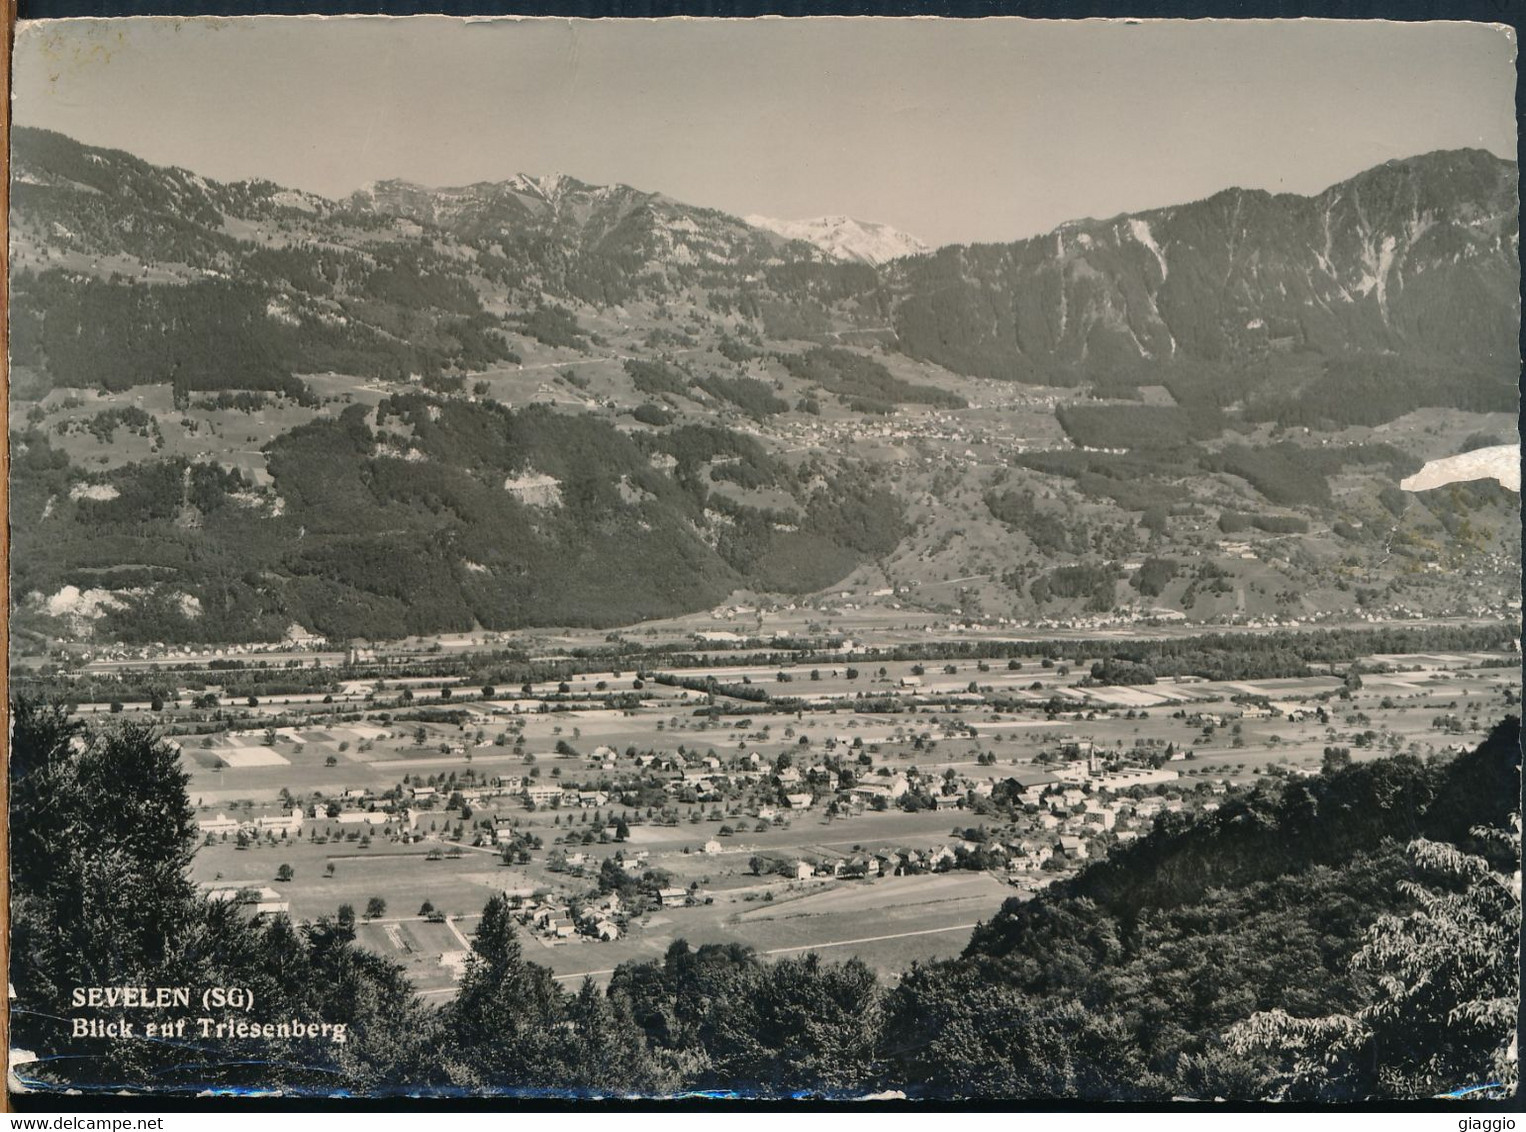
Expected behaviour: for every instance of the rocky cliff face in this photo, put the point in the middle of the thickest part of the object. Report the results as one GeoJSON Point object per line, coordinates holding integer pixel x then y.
{"type": "Point", "coordinates": [1420, 256]}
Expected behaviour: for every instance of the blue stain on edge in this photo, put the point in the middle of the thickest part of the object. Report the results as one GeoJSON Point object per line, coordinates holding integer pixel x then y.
{"type": "Point", "coordinates": [1467, 1090]}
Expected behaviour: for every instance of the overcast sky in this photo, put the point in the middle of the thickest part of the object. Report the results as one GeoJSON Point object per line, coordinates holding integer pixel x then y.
{"type": "Point", "coordinates": [955, 131]}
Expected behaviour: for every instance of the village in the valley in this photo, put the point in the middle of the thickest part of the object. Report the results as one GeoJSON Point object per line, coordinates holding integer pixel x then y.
{"type": "Point", "coordinates": [875, 801]}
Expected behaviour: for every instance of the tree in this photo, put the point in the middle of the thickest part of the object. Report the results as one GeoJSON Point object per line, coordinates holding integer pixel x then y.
{"type": "Point", "coordinates": [118, 908]}
{"type": "Point", "coordinates": [1336, 759]}
{"type": "Point", "coordinates": [376, 908]}
{"type": "Point", "coordinates": [112, 905]}
{"type": "Point", "coordinates": [426, 908]}
{"type": "Point", "coordinates": [1446, 991]}
{"type": "Point", "coordinates": [285, 873]}
{"type": "Point", "coordinates": [505, 1024]}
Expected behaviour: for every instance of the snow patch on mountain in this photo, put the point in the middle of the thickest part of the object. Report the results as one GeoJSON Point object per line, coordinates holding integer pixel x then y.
{"type": "Point", "coordinates": [844, 238]}
{"type": "Point", "coordinates": [1141, 232]}
{"type": "Point", "coordinates": [1500, 462]}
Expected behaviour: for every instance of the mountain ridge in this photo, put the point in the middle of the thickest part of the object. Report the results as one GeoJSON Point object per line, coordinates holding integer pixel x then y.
{"type": "Point", "coordinates": [846, 238]}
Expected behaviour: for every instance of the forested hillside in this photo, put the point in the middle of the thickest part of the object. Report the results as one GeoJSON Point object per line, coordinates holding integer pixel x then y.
{"type": "Point", "coordinates": [425, 515]}
{"type": "Point", "coordinates": [1346, 937]}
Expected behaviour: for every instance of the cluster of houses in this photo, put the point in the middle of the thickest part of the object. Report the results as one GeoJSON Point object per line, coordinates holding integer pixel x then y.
{"type": "Point", "coordinates": [600, 915]}
{"type": "Point", "coordinates": [553, 918]}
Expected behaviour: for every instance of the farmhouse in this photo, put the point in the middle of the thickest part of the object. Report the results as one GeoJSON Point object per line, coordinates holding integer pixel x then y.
{"type": "Point", "coordinates": [1073, 848]}
{"type": "Point", "coordinates": [673, 897]}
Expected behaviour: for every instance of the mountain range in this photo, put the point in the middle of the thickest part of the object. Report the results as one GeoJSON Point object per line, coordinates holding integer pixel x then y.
{"type": "Point", "coordinates": [1419, 256]}
{"type": "Point", "coordinates": [708, 369]}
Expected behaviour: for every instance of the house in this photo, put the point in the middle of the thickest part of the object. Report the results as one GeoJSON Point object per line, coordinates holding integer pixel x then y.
{"type": "Point", "coordinates": [606, 930]}
{"type": "Point", "coordinates": [1030, 857]}
{"type": "Point", "coordinates": [804, 870]}
{"type": "Point", "coordinates": [799, 801]}
{"type": "Point", "coordinates": [712, 846]}
{"type": "Point", "coordinates": [417, 792]}
{"type": "Point", "coordinates": [863, 865]}
{"type": "Point", "coordinates": [1073, 847]}
{"type": "Point", "coordinates": [946, 801]}
{"type": "Point", "coordinates": [911, 682]}
{"type": "Point", "coordinates": [1294, 713]}
{"type": "Point", "coordinates": [673, 897]}
{"type": "Point", "coordinates": [767, 813]}
{"type": "Point", "coordinates": [1104, 815]}
{"type": "Point", "coordinates": [561, 928]}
